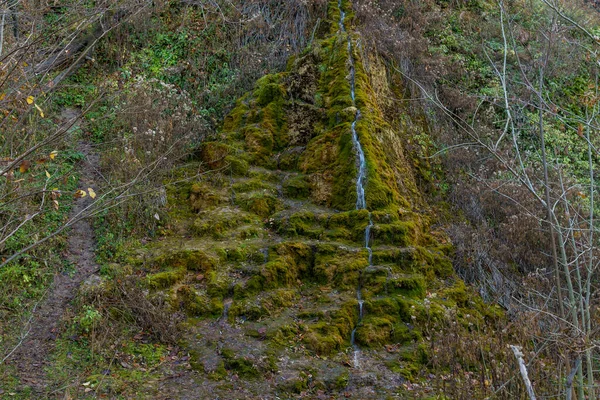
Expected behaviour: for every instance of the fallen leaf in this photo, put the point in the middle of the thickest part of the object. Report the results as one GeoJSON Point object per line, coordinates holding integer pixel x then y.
{"type": "Point", "coordinates": [53, 155]}
{"type": "Point", "coordinates": [92, 193]}
{"type": "Point", "coordinates": [25, 165]}
{"type": "Point", "coordinates": [30, 99]}
{"type": "Point", "coordinates": [86, 383]}
{"type": "Point", "coordinates": [80, 193]}
{"type": "Point", "coordinates": [48, 175]}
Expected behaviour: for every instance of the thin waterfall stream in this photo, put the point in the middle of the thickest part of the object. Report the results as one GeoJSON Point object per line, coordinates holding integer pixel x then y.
{"type": "Point", "coordinates": [361, 203]}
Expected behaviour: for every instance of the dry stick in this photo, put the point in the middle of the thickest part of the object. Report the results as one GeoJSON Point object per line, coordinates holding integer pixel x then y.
{"type": "Point", "coordinates": [569, 383]}
{"type": "Point", "coordinates": [24, 335]}
{"type": "Point", "coordinates": [523, 368]}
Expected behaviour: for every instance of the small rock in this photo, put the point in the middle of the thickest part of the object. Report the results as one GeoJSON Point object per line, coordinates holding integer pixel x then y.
{"type": "Point", "coordinates": [91, 283]}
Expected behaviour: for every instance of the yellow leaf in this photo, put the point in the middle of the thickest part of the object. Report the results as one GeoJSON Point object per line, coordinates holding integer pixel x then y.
{"type": "Point", "coordinates": [53, 155]}
{"type": "Point", "coordinates": [48, 175]}
{"type": "Point", "coordinates": [80, 193]}
{"type": "Point", "coordinates": [92, 193]}
{"type": "Point", "coordinates": [2, 96]}
{"type": "Point", "coordinates": [30, 100]}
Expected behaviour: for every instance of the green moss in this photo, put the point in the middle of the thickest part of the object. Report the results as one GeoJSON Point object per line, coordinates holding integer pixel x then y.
{"type": "Point", "coordinates": [252, 286]}
{"type": "Point", "coordinates": [410, 361]}
{"type": "Point", "coordinates": [213, 154]}
{"type": "Point", "coordinates": [217, 284]}
{"type": "Point", "coordinates": [238, 165]}
{"type": "Point", "coordinates": [249, 309]}
{"type": "Point", "coordinates": [376, 331]}
{"type": "Point", "coordinates": [410, 286]}
{"type": "Point", "coordinates": [342, 380]}
{"type": "Point", "coordinates": [251, 185]}
{"type": "Point", "coordinates": [259, 144]}
{"type": "Point", "coordinates": [236, 117]}
{"type": "Point", "coordinates": [219, 373]}
{"type": "Point", "coordinates": [193, 260]}
{"type": "Point", "coordinates": [354, 222]}
{"type": "Point", "coordinates": [278, 300]}
{"type": "Point", "coordinates": [243, 252]}
{"type": "Point", "coordinates": [198, 304]}
{"type": "Point", "coordinates": [268, 90]}
{"type": "Point", "coordinates": [281, 272]}
{"type": "Point", "coordinates": [435, 262]}
{"type": "Point", "coordinates": [399, 234]}
{"type": "Point", "coordinates": [165, 279]}
{"type": "Point", "coordinates": [218, 222]}
{"type": "Point", "coordinates": [267, 304]}
{"type": "Point", "coordinates": [388, 307]}
{"type": "Point", "coordinates": [341, 269]}
{"type": "Point", "coordinates": [261, 204]}
{"type": "Point", "coordinates": [403, 259]}
{"type": "Point", "coordinates": [458, 293]}
{"type": "Point", "coordinates": [202, 196]}
{"type": "Point", "coordinates": [374, 280]}
{"type": "Point", "coordinates": [297, 187]}
{"type": "Point", "coordinates": [303, 223]}
{"type": "Point", "coordinates": [323, 338]}
{"type": "Point", "coordinates": [240, 365]}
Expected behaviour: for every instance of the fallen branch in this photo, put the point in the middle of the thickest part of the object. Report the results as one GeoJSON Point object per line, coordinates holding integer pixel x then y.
{"type": "Point", "coordinates": [523, 368]}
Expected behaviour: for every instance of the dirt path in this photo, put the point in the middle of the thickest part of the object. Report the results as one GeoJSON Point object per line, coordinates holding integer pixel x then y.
{"type": "Point", "coordinates": [31, 358]}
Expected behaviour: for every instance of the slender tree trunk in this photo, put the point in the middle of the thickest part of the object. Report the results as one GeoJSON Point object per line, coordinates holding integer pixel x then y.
{"type": "Point", "coordinates": [547, 198]}
{"type": "Point", "coordinates": [2, 22]}
{"type": "Point", "coordinates": [12, 6]}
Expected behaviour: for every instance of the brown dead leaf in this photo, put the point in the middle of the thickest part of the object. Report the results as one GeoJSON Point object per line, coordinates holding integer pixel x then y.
{"type": "Point", "coordinates": [24, 167]}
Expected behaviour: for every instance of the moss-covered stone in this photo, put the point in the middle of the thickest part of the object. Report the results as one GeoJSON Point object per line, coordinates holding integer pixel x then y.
{"type": "Point", "coordinates": [193, 260]}
{"type": "Point", "coordinates": [198, 304]}
{"type": "Point", "coordinates": [297, 187]}
{"type": "Point", "coordinates": [376, 331]}
{"type": "Point", "coordinates": [217, 223]}
{"type": "Point", "coordinates": [217, 285]}
{"type": "Point", "coordinates": [252, 185]}
{"type": "Point", "coordinates": [165, 279]}
{"type": "Point", "coordinates": [262, 204]}
{"type": "Point", "coordinates": [410, 286]}
{"type": "Point", "coordinates": [341, 269]}
{"type": "Point", "coordinates": [202, 197]}
{"type": "Point", "coordinates": [399, 234]}
{"type": "Point", "coordinates": [303, 223]}
{"type": "Point", "coordinates": [268, 89]}
{"type": "Point", "coordinates": [239, 365]}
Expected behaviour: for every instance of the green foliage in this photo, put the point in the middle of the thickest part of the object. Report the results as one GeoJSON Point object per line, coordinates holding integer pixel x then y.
{"type": "Point", "coordinates": [89, 318]}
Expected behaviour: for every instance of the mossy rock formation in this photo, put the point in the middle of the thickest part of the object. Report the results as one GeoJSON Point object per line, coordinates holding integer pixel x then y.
{"type": "Point", "coordinates": [273, 243]}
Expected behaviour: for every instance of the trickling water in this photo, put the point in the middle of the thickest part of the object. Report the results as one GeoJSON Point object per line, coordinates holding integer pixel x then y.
{"type": "Point", "coordinates": [361, 203]}
{"type": "Point", "coordinates": [355, 347]}
{"type": "Point", "coordinates": [265, 253]}
{"type": "Point", "coordinates": [226, 305]}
